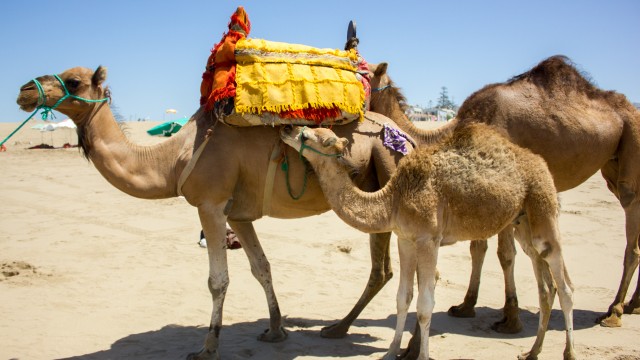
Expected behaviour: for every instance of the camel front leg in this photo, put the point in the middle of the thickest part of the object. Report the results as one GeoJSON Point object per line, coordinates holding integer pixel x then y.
{"type": "Point", "coordinates": [408, 264]}
{"type": "Point", "coordinates": [427, 259]}
{"type": "Point", "coordinates": [214, 226]}
{"type": "Point", "coordinates": [478, 250]}
{"type": "Point", "coordinates": [510, 323]}
{"type": "Point", "coordinates": [381, 273]}
{"type": "Point", "coordinates": [613, 317]}
{"type": "Point", "coordinates": [261, 270]}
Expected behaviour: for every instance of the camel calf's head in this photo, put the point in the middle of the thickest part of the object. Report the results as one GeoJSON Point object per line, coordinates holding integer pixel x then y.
{"type": "Point", "coordinates": [319, 140]}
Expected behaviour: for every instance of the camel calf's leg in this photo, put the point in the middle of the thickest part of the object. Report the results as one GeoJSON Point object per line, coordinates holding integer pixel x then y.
{"type": "Point", "coordinates": [408, 264]}
{"type": "Point", "coordinates": [261, 270]}
{"type": "Point", "coordinates": [427, 260]}
{"type": "Point", "coordinates": [381, 273]}
{"type": "Point", "coordinates": [542, 244]}
{"type": "Point", "coordinates": [478, 250]}
{"type": "Point", "coordinates": [214, 226]}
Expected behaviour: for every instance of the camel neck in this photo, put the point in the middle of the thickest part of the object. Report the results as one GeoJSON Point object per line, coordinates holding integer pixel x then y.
{"type": "Point", "coordinates": [147, 172]}
{"type": "Point", "coordinates": [366, 211]}
{"type": "Point", "coordinates": [388, 105]}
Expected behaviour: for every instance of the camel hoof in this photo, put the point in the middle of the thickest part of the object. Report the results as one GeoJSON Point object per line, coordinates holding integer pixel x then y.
{"type": "Point", "coordinates": [462, 311]}
{"type": "Point", "coordinates": [334, 331]}
{"type": "Point", "coordinates": [410, 353]}
{"type": "Point", "coordinates": [633, 307]}
{"type": "Point", "coordinates": [569, 355]}
{"type": "Point", "coordinates": [273, 337]}
{"type": "Point", "coordinates": [203, 355]}
{"type": "Point", "coordinates": [507, 326]}
{"type": "Point", "coordinates": [609, 320]}
{"type": "Point", "coordinates": [527, 356]}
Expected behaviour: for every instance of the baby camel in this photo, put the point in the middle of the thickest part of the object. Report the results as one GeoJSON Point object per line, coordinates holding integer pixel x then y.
{"type": "Point", "coordinates": [439, 196]}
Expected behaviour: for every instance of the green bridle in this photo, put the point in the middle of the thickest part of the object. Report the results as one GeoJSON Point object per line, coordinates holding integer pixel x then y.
{"type": "Point", "coordinates": [285, 165]}
{"type": "Point", "coordinates": [46, 110]}
{"type": "Point", "coordinates": [42, 98]}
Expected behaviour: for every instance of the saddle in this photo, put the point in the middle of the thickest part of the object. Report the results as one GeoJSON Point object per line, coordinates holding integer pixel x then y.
{"type": "Point", "coordinates": [250, 82]}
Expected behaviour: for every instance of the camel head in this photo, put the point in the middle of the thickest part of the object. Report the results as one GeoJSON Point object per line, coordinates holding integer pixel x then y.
{"type": "Point", "coordinates": [379, 78]}
{"type": "Point", "coordinates": [320, 141]}
{"type": "Point", "coordinates": [385, 95]}
{"type": "Point", "coordinates": [74, 92]}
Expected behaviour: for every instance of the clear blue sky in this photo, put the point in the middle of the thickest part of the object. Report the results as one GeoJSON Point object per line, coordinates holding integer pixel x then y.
{"type": "Point", "coordinates": [156, 50]}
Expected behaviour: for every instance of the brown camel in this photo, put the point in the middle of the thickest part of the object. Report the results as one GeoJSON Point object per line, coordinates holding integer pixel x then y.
{"type": "Point", "coordinates": [437, 197]}
{"type": "Point", "coordinates": [227, 182]}
{"type": "Point", "coordinates": [576, 127]}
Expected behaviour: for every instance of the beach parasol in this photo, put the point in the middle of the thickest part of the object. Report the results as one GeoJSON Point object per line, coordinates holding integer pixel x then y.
{"type": "Point", "coordinates": [47, 126]}
{"type": "Point", "coordinates": [168, 128]}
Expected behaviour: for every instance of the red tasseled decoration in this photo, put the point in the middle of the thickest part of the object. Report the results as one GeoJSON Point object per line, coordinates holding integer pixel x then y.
{"type": "Point", "coordinates": [317, 115]}
{"type": "Point", "coordinates": [218, 80]}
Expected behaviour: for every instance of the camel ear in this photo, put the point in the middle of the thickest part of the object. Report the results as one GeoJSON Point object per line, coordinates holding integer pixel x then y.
{"type": "Point", "coordinates": [329, 142]}
{"type": "Point", "coordinates": [342, 143]}
{"type": "Point", "coordinates": [99, 76]}
{"type": "Point", "coordinates": [380, 69]}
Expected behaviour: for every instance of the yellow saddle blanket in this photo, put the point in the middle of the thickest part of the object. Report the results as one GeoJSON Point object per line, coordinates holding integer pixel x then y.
{"type": "Point", "coordinates": [276, 77]}
{"type": "Point", "coordinates": [257, 82]}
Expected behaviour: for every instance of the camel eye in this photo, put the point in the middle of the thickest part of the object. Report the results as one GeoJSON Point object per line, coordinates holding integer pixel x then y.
{"type": "Point", "coordinates": [72, 83]}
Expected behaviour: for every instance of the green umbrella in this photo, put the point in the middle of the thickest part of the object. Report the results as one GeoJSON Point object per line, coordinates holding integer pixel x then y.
{"type": "Point", "coordinates": [168, 128]}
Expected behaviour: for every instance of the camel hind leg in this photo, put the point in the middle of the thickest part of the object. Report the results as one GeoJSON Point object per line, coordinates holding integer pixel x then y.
{"type": "Point", "coordinates": [540, 240]}
{"type": "Point", "coordinates": [623, 179]}
{"type": "Point", "coordinates": [261, 270]}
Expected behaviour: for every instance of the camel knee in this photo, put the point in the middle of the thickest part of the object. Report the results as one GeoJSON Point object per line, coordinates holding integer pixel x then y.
{"type": "Point", "coordinates": [218, 286]}
{"type": "Point", "coordinates": [261, 269]}
{"type": "Point", "coordinates": [403, 298]}
{"type": "Point", "coordinates": [479, 246]}
{"type": "Point", "coordinates": [424, 309]}
{"type": "Point", "coordinates": [626, 194]}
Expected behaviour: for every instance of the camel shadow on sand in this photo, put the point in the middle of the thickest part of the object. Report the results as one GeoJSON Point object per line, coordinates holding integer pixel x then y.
{"type": "Point", "coordinates": [175, 341]}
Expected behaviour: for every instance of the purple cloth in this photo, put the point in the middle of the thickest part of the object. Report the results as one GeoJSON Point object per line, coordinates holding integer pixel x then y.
{"type": "Point", "coordinates": [396, 140]}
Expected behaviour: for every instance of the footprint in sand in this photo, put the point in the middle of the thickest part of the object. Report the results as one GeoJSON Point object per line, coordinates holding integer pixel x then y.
{"type": "Point", "coordinates": [16, 268]}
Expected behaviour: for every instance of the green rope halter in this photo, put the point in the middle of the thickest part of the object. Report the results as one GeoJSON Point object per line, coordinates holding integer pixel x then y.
{"type": "Point", "coordinates": [47, 110]}
{"type": "Point", "coordinates": [285, 165]}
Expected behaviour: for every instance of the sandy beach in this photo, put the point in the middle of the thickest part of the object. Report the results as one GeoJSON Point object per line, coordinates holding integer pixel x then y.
{"type": "Point", "coordinates": [89, 272]}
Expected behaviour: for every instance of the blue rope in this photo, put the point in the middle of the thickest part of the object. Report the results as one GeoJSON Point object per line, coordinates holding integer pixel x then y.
{"type": "Point", "coordinates": [380, 88]}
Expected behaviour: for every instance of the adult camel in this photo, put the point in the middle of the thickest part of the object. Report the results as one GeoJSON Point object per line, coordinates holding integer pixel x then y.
{"type": "Point", "coordinates": [227, 182]}
{"type": "Point", "coordinates": [576, 127]}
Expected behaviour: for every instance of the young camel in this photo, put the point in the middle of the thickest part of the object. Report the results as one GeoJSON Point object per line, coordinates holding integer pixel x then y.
{"type": "Point", "coordinates": [578, 129]}
{"type": "Point", "coordinates": [227, 183]}
{"type": "Point", "coordinates": [437, 197]}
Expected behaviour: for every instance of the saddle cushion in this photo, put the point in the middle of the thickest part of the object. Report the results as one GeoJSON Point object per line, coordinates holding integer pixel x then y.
{"type": "Point", "coordinates": [257, 82]}
{"type": "Point", "coordinates": [297, 81]}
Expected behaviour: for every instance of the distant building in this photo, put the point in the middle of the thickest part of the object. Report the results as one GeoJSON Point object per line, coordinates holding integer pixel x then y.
{"type": "Point", "coordinates": [417, 113]}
